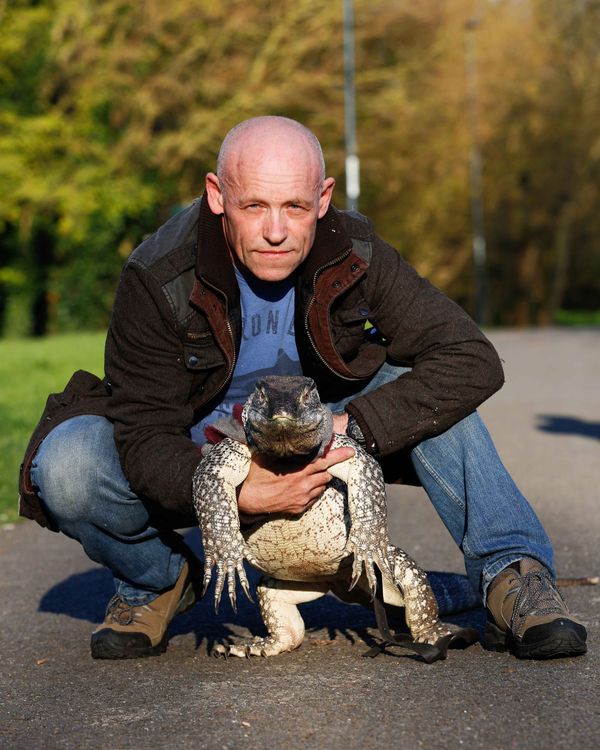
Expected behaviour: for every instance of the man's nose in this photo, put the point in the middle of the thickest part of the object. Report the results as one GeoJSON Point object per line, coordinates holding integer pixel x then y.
{"type": "Point", "coordinates": [274, 228]}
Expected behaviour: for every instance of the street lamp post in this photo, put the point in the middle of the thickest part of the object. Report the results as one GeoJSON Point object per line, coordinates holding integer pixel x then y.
{"type": "Point", "coordinates": [352, 162]}
{"type": "Point", "coordinates": [476, 169]}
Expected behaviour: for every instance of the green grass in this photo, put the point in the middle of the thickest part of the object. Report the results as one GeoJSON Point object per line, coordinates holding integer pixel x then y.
{"type": "Point", "coordinates": [30, 369]}
{"type": "Point", "coordinates": [578, 318]}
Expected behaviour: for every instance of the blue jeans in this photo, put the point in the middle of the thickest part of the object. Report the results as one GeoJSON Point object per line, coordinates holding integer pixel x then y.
{"type": "Point", "coordinates": [82, 485]}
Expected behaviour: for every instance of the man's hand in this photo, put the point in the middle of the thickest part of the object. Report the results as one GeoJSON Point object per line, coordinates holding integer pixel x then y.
{"type": "Point", "coordinates": [278, 487]}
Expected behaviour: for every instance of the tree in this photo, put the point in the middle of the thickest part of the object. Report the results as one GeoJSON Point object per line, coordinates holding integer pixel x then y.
{"type": "Point", "coordinates": [112, 112]}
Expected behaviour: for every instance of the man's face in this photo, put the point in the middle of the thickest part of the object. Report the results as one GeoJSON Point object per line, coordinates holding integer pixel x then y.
{"type": "Point", "coordinates": [270, 205]}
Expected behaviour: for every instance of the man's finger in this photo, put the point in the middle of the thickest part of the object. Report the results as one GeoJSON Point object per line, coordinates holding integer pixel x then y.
{"type": "Point", "coordinates": [333, 457]}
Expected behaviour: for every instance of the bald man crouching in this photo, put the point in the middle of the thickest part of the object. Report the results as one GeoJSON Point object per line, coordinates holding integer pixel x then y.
{"type": "Point", "coordinates": [262, 275]}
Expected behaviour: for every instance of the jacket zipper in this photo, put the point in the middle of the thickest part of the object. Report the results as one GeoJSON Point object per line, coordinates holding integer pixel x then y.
{"type": "Point", "coordinates": [310, 338]}
{"type": "Point", "coordinates": [234, 358]}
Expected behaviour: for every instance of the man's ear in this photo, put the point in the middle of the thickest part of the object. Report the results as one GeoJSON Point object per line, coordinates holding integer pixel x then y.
{"type": "Point", "coordinates": [325, 197]}
{"type": "Point", "coordinates": [214, 194]}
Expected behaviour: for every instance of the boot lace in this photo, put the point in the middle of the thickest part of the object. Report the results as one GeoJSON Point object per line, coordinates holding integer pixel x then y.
{"type": "Point", "coordinates": [536, 595]}
{"type": "Point", "coordinates": [119, 611]}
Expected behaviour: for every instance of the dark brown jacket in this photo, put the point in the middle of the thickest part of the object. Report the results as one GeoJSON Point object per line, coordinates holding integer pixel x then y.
{"type": "Point", "coordinates": [176, 328]}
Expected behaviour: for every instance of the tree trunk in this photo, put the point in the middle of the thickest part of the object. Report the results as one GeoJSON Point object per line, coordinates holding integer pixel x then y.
{"type": "Point", "coordinates": [42, 252]}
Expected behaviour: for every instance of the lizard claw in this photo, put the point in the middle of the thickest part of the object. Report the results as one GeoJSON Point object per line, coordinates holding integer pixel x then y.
{"type": "Point", "coordinates": [231, 587]}
{"type": "Point", "coordinates": [226, 573]}
{"type": "Point", "coordinates": [209, 563]}
{"type": "Point", "coordinates": [366, 556]}
{"type": "Point", "coordinates": [356, 571]}
{"type": "Point", "coordinates": [219, 585]}
{"type": "Point", "coordinates": [370, 571]}
{"type": "Point", "coordinates": [244, 581]}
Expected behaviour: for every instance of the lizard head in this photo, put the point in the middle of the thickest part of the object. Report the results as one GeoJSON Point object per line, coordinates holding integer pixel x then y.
{"type": "Point", "coordinates": [284, 417]}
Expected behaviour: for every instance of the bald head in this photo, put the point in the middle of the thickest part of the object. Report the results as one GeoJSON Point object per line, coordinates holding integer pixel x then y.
{"type": "Point", "coordinates": [270, 190]}
{"type": "Point", "coordinates": [269, 137]}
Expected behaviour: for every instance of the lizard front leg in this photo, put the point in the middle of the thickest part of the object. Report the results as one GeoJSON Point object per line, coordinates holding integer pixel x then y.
{"type": "Point", "coordinates": [410, 589]}
{"type": "Point", "coordinates": [368, 538]}
{"type": "Point", "coordinates": [214, 494]}
{"type": "Point", "coordinates": [278, 602]}
{"type": "Point", "coordinates": [421, 609]}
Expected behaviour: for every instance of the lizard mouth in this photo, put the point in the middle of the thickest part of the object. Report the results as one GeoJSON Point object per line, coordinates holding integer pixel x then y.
{"type": "Point", "coordinates": [286, 437]}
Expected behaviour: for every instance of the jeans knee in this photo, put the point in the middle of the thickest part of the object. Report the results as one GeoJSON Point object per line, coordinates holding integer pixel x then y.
{"type": "Point", "coordinates": [79, 477]}
{"type": "Point", "coordinates": [471, 426]}
{"type": "Point", "coordinates": [61, 473]}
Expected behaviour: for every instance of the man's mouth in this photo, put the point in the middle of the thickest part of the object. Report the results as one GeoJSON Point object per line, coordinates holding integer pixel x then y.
{"type": "Point", "coordinates": [274, 252]}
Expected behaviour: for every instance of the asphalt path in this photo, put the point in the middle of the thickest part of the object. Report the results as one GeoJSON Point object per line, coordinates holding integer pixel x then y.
{"type": "Point", "coordinates": [546, 425]}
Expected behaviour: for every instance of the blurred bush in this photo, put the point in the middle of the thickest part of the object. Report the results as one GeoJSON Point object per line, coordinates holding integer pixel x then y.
{"type": "Point", "coordinates": [112, 112]}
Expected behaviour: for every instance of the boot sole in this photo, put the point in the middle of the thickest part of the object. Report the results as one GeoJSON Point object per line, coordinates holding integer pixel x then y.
{"type": "Point", "coordinates": [114, 644]}
{"type": "Point", "coordinates": [551, 642]}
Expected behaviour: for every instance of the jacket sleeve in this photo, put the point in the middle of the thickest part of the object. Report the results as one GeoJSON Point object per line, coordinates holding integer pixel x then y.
{"type": "Point", "coordinates": [149, 405]}
{"type": "Point", "coordinates": [454, 366]}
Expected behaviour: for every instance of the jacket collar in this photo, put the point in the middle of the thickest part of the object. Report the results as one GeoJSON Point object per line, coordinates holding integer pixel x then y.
{"type": "Point", "coordinates": [331, 241]}
{"type": "Point", "coordinates": [213, 261]}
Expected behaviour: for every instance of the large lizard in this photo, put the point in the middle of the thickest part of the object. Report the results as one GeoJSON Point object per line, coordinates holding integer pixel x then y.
{"type": "Point", "coordinates": [336, 545]}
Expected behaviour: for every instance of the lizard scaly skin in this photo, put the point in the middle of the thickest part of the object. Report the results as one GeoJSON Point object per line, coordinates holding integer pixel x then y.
{"type": "Point", "coordinates": [333, 546]}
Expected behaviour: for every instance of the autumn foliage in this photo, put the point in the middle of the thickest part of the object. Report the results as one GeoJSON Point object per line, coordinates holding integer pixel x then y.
{"type": "Point", "coordinates": [112, 112]}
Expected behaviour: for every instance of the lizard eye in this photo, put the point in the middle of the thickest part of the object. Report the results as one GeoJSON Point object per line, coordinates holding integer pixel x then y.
{"type": "Point", "coordinates": [305, 397]}
{"type": "Point", "coordinates": [261, 394]}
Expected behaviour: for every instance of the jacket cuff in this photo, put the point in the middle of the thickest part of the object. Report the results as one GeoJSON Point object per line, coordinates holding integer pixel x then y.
{"type": "Point", "coordinates": [370, 445]}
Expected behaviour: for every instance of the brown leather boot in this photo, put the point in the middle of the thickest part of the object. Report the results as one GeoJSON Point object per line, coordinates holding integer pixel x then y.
{"type": "Point", "coordinates": [527, 615]}
{"type": "Point", "coordinates": [130, 632]}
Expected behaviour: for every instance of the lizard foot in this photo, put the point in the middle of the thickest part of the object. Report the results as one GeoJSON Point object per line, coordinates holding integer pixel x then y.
{"type": "Point", "coordinates": [268, 646]}
{"type": "Point", "coordinates": [433, 634]}
{"type": "Point", "coordinates": [227, 567]}
{"type": "Point", "coordinates": [443, 637]}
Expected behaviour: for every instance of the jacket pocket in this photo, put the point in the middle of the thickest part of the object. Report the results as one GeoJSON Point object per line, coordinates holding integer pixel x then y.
{"type": "Point", "coordinates": [349, 328]}
{"type": "Point", "coordinates": [202, 354]}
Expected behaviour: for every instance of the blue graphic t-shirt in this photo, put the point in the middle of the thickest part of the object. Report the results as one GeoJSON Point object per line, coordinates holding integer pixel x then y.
{"type": "Point", "coordinates": [268, 344]}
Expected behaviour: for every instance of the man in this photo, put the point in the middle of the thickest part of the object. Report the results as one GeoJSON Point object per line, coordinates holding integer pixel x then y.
{"type": "Point", "coordinates": [264, 275]}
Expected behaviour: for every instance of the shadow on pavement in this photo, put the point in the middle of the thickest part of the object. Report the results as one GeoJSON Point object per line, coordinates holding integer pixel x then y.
{"type": "Point", "coordinates": [84, 596]}
{"type": "Point", "coordinates": [568, 426]}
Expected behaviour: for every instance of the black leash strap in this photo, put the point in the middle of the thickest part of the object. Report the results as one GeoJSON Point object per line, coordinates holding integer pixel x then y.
{"type": "Point", "coordinates": [427, 651]}
{"type": "Point", "coordinates": [461, 638]}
